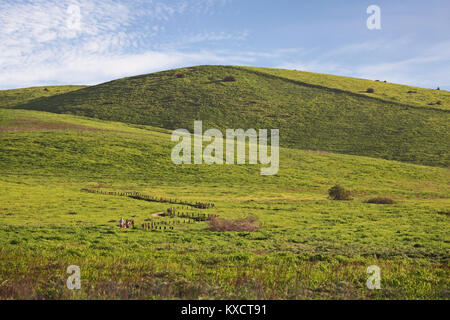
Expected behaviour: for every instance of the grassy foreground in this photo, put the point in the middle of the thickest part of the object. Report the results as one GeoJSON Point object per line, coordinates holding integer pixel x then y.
{"type": "Point", "coordinates": [308, 246]}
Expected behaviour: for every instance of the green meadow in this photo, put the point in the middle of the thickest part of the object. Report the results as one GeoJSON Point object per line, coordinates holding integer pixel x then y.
{"type": "Point", "coordinates": [115, 137]}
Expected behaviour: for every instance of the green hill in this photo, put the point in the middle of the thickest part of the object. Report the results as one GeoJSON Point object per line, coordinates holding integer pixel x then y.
{"type": "Point", "coordinates": [316, 112]}
{"type": "Point", "coordinates": [402, 94]}
{"type": "Point", "coordinates": [15, 97]}
{"type": "Point", "coordinates": [309, 246]}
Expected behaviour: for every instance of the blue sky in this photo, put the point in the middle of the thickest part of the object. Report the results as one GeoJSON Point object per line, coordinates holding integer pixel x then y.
{"type": "Point", "coordinates": [46, 42]}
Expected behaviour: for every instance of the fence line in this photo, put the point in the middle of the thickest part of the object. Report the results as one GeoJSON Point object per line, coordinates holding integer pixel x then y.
{"type": "Point", "coordinates": [139, 196]}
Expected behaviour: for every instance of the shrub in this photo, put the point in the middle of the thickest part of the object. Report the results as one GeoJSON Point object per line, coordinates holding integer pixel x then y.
{"type": "Point", "coordinates": [229, 79]}
{"type": "Point", "coordinates": [439, 103]}
{"type": "Point", "coordinates": [180, 75]}
{"type": "Point", "coordinates": [339, 193]}
{"type": "Point", "coordinates": [381, 200]}
{"type": "Point", "coordinates": [250, 224]}
{"type": "Point", "coordinates": [370, 90]}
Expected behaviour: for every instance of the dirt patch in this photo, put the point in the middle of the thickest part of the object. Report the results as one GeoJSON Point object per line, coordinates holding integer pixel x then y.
{"type": "Point", "coordinates": [157, 214]}
{"type": "Point", "coordinates": [100, 185]}
{"type": "Point", "coordinates": [319, 152]}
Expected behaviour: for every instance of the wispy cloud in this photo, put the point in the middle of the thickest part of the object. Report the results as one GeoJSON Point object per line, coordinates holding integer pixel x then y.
{"type": "Point", "coordinates": [427, 68]}
{"type": "Point", "coordinates": [39, 44]}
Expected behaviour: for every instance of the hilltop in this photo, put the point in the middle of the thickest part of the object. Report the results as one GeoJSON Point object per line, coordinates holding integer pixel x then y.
{"type": "Point", "coordinates": [312, 111]}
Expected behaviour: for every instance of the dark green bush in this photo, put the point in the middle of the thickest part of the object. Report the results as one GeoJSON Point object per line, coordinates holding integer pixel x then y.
{"type": "Point", "coordinates": [381, 200]}
{"type": "Point", "coordinates": [370, 90]}
{"type": "Point", "coordinates": [339, 193]}
{"type": "Point", "coordinates": [229, 79]}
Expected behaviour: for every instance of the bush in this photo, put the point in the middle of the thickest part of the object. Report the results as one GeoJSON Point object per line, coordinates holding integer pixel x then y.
{"type": "Point", "coordinates": [370, 90]}
{"type": "Point", "coordinates": [381, 200]}
{"type": "Point", "coordinates": [180, 75]}
{"type": "Point", "coordinates": [250, 224]}
{"type": "Point", "coordinates": [229, 79]}
{"type": "Point", "coordinates": [339, 193]}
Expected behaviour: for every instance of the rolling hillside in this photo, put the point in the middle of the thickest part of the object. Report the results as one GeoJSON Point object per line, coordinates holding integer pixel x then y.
{"type": "Point", "coordinates": [316, 112]}
{"type": "Point", "coordinates": [15, 97]}
{"type": "Point", "coordinates": [309, 246]}
{"type": "Point", "coordinates": [390, 92]}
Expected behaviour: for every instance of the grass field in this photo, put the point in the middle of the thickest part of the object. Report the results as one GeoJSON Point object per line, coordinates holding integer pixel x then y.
{"type": "Point", "coordinates": [309, 246]}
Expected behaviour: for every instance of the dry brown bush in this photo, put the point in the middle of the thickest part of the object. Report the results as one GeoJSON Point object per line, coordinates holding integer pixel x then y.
{"type": "Point", "coordinates": [250, 223]}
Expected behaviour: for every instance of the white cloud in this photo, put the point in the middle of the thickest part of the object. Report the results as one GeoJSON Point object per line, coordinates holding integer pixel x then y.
{"type": "Point", "coordinates": [117, 38]}
{"type": "Point", "coordinates": [427, 68]}
{"type": "Point", "coordinates": [39, 44]}
{"type": "Point", "coordinates": [97, 68]}
{"type": "Point", "coordinates": [369, 46]}
{"type": "Point", "coordinates": [318, 66]}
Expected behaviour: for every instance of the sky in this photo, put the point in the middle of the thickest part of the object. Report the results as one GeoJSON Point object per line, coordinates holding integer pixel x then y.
{"type": "Point", "coordinates": [45, 42]}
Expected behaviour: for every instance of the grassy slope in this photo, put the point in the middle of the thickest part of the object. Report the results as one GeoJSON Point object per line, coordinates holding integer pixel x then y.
{"type": "Point", "coordinates": [309, 246]}
{"type": "Point", "coordinates": [397, 93]}
{"type": "Point", "coordinates": [15, 97]}
{"type": "Point", "coordinates": [309, 117]}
